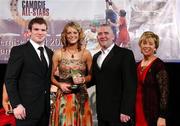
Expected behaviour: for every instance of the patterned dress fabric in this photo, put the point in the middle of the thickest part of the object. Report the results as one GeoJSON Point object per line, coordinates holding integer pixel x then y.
{"type": "Point", "coordinates": [71, 109]}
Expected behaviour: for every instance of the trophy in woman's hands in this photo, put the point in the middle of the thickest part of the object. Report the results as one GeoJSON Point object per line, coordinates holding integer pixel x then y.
{"type": "Point", "coordinates": [75, 75]}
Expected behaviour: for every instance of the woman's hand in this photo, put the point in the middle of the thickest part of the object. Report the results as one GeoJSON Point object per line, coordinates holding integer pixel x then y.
{"type": "Point", "coordinates": [79, 80]}
{"type": "Point", "coordinates": [65, 87]}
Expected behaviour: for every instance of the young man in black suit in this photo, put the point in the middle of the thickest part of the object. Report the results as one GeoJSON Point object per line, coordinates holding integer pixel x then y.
{"type": "Point", "coordinates": [114, 74]}
{"type": "Point", "coordinates": [28, 77]}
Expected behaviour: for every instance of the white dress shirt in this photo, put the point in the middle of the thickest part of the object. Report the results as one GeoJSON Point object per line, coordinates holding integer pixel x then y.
{"type": "Point", "coordinates": [36, 46]}
{"type": "Point", "coordinates": [103, 55]}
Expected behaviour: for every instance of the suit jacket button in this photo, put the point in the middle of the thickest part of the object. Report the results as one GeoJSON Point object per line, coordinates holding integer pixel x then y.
{"type": "Point", "coordinates": [45, 92]}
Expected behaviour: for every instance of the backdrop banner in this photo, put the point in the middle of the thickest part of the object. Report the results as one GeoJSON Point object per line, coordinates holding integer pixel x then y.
{"type": "Point", "coordinates": [159, 16]}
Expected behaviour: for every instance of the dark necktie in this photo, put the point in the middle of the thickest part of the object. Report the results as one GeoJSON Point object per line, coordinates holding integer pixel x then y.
{"type": "Point", "coordinates": [43, 59]}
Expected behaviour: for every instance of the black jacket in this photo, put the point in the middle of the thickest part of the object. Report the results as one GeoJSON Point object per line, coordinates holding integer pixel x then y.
{"type": "Point", "coordinates": [116, 83]}
{"type": "Point", "coordinates": [26, 82]}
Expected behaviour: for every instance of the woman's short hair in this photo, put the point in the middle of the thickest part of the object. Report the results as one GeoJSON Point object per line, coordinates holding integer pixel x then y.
{"type": "Point", "coordinates": [149, 34]}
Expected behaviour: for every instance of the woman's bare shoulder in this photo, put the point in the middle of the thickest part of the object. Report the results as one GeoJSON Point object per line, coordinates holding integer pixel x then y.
{"type": "Point", "coordinates": [58, 52]}
{"type": "Point", "coordinates": [87, 54]}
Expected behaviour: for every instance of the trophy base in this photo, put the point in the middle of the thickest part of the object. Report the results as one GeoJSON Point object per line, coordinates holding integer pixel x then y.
{"type": "Point", "coordinates": [75, 87]}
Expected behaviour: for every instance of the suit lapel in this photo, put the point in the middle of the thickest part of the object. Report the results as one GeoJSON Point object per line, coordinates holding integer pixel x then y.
{"type": "Point", "coordinates": [95, 60]}
{"type": "Point", "coordinates": [49, 57]}
{"type": "Point", "coordinates": [34, 56]}
{"type": "Point", "coordinates": [108, 57]}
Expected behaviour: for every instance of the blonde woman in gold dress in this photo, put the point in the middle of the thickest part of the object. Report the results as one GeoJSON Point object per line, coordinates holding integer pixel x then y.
{"type": "Point", "coordinates": [72, 107]}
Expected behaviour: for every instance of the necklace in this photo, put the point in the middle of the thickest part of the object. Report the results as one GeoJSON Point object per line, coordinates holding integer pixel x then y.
{"type": "Point", "coordinates": [145, 64]}
{"type": "Point", "coordinates": [72, 53]}
{"type": "Point", "coordinates": [72, 56]}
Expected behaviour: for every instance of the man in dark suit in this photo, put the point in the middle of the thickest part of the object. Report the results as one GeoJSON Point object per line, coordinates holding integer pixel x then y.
{"type": "Point", "coordinates": [114, 74]}
{"type": "Point", "coordinates": [28, 79]}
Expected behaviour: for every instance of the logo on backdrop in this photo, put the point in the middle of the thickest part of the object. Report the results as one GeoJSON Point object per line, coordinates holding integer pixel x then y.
{"type": "Point", "coordinates": [28, 8]}
{"type": "Point", "coordinates": [34, 8]}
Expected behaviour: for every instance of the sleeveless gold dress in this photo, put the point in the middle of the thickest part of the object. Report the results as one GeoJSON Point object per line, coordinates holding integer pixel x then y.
{"type": "Point", "coordinates": [71, 109]}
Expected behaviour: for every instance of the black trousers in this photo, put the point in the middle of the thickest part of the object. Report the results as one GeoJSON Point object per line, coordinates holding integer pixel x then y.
{"type": "Point", "coordinates": [43, 121]}
{"type": "Point", "coordinates": [106, 123]}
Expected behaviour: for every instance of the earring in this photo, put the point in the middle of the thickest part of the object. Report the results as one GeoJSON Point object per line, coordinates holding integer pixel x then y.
{"type": "Point", "coordinates": [154, 51]}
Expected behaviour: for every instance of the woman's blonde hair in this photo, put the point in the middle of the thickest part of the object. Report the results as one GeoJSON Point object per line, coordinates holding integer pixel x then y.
{"type": "Point", "coordinates": [148, 34]}
{"type": "Point", "coordinates": [64, 34]}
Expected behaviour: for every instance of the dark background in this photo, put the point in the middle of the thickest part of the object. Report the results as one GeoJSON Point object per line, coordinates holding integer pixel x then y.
{"type": "Point", "coordinates": [173, 69]}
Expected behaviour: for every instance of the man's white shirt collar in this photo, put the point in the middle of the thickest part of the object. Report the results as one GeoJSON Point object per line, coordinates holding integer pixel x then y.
{"type": "Point", "coordinates": [103, 55]}
{"type": "Point", "coordinates": [35, 45]}
{"type": "Point", "coordinates": [106, 51]}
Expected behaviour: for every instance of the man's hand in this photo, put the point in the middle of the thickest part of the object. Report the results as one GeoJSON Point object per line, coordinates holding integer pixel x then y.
{"type": "Point", "coordinates": [124, 118]}
{"type": "Point", "coordinates": [161, 122]}
{"type": "Point", "coordinates": [19, 112]}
